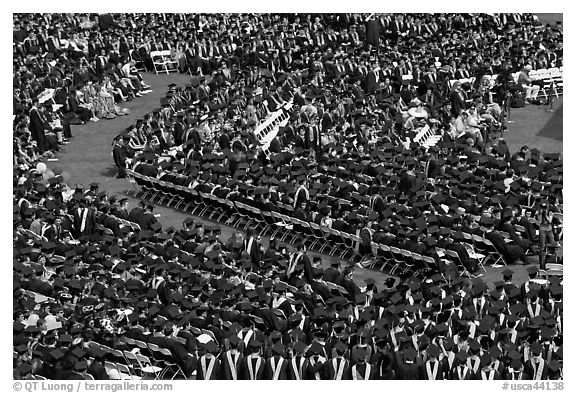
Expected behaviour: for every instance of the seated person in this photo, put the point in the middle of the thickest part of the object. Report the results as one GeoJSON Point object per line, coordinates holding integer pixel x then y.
{"type": "Point", "coordinates": [510, 252]}
{"type": "Point", "coordinates": [530, 89]}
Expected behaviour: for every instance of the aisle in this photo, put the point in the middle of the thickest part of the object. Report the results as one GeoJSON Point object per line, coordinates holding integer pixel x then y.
{"type": "Point", "coordinates": [535, 127]}
{"type": "Point", "coordinates": [88, 158]}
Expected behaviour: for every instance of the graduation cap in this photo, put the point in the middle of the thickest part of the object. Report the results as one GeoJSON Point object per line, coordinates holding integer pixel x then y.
{"type": "Point", "coordinates": [433, 350]}
{"type": "Point", "coordinates": [461, 356]}
{"type": "Point", "coordinates": [485, 359]}
{"type": "Point", "coordinates": [340, 348]}
{"type": "Point", "coordinates": [555, 290]}
{"type": "Point", "coordinates": [278, 349]}
{"type": "Point", "coordinates": [475, 346]}
{"type": "Point", "coordinates": [536, 347]}
{"type": "Point", "coordinates": [57, 353]}
{"type": "Point", "coordinates": [299, 347]}
{"type": "Point", "coordinates": [79, 353]}
{"type": "Point", "coordinates": [410, 354]}
{"type": "Point", "coordinates": [255, 344]}
{"type": "Point", "coordinates": [316, 348]}
{"type": "Point", "coordinates": [554, 365]}
{"type": "Point", "coordinates": [211, 347]}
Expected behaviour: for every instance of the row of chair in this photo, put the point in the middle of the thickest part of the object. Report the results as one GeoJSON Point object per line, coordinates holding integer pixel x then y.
{"type": "Point", "coordinates": [163, 62]}
{"type": "Point", "coordinates": [275, 119]}
{"type": "Point", "coordinates": [284, 226]}
{"type": "Point", "coordinates": [427, 137]}
{"type": "Point", "coordinates": [144, 361]}
{"type": "Point", "coordinates": [553, 74]}
{"type": "Point", "coordinates": [240, 215]}
{"type": "Point", "coordinates": [290, 229]}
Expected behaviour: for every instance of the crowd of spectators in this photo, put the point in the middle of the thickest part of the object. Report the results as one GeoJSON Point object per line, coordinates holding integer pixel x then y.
{"type": "Point", "coordinates": [91, 274]}
{"type": "Point", "coordinates": [60, 80]}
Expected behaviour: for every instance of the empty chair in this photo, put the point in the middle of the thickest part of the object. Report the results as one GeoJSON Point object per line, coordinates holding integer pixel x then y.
{"type": "Point", "coordinates": [125, 372]}
{"type": "Point", "coordinates": [170, 364]}
{"type": "Point", "coordinates": [146, 366]}
{"type": "Point", "coordinates": [162, 61]}
{"type": "Point", "coordinates": [554, 269]}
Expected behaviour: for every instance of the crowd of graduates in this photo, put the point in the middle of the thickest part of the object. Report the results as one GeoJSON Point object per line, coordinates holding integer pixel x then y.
{"type": "Point", "coordinates": [89, 284]}
{"type": "Point", "coordinates": [91, 274]}
{"type": "Point", "coordinates": [347, 158]}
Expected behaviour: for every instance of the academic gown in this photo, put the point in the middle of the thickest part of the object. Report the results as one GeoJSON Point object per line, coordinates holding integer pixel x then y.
{"type": "Point", "coordinates": [259, 370]}
{"type": "Point", "coordinates": [282, 369]}
{"type": "Point", "coordinates": [409, 371]}
{"type": "Point", "coordinates": [216, 370]}
{"type": "Point", "coordinates": [226, 369]}
{"type": "Point", "coordinates": [331, 370]}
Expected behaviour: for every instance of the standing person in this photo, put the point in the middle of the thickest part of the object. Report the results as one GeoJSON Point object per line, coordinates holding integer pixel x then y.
{"type": "Point", "coordinates": [253, 366]}
{"type": "Point", "coordinates": [433, 368]}
{"type": "Point", "coordinates": [338, 368]}
{"type": "Point", "coordinates": [120, 154]}
{"type": "Point", "coordinates": [84, 220]}
{"type": "Point", "coordinates": [363, 370]}
{"type": "Point", "coordinates": [372, 38]}
{"type": "Point", "coordinates": [277, 365]}
{"type": "Point", "coordinates": [38, 126]}
{"type": "Point", "coordinates": [160, 286]}
{"type": "Point", "coordinates": [296, 361]}
{"type": "Point", "coordinates": [544, 217]}
{"type": "Point", "coordinates": [231, 360]}
{"type": "Point", "coordinates": [301, 194]}
{"type": "Point", "coordinates": [209, 365]}
{"type": "Point", "coordinates": [252, 247]}
{"type": "Point", "coordinates": [457, 99]}
{"type": "Point", "coordinates": [536, 367]}
{"type": "Point", "coordinates": [300, 258]}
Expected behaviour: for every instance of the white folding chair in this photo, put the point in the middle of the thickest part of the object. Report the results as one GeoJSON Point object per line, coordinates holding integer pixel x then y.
{"type": "Point", "coordinates": [161, 59]}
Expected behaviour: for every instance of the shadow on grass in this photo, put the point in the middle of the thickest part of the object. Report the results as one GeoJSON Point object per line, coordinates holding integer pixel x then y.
{"type": "Point", "coordinates": [109, 172]}
{"type": "Point", "coordinates": [553, 129]}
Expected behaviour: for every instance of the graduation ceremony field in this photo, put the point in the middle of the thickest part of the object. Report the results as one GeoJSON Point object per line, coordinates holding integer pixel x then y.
{"type": "Point", "coordinates": [288, 196]}
{"type": "Point", "coordinates": [88, 160]}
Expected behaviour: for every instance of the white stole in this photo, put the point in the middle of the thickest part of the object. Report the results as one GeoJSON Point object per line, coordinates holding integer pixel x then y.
{"type": "Point", "coordinates": [297, 368]}
{"type": "Point", "coordinates": [451, 356]}
{"type": "Point", "coordinates": [339, 370]}
{"type": "Point", "coordinates": [276, 367]}
{"type": "Point", "coordinates": [83, 217]}
{"type": "Point", "coordinates": [533, 313]}
{"type": "Point", "coordinates": [247, 337]}
{"type": "Point", "coordinates": [432, 372]}
{"type": "Point", "coordinates": [513, 374]}
{"type": "Point", "coordinates": [462, 371]}
{"type": "Point", "coordinates": [253, 373]}
{"type": "Point", "coordinates": [316, 374]}
{"type": "Point", "coordinates": [207, 371]}
{"type": "Point", "coordinates": [537, 371]}
{"type": "Point", "coordinates": [513, 335]}
{"type": "Point", "coordinates": [293, 262]}
{"type": "Point", "coordinates": [232, 364]}
{"type": "Point", "coordinates": [488, 377]}
{"type": "Point", "coordinates": [476, 364]}
{"type": "Point", "coordinates": [249, 245]}
{"type": "Point", "coordinates": [356, 375]}
{"type": "Point", "coordinates": [302, 321]}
